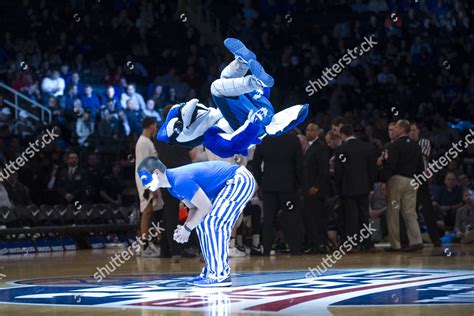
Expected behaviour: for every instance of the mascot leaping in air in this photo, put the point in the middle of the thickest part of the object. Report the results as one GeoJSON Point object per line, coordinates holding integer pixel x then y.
{"type": "Point", "coordinates": [244, 115]}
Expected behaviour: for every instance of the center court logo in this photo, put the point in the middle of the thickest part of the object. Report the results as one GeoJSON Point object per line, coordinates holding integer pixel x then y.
{"type": "Point", "coordinates": [268, 292]}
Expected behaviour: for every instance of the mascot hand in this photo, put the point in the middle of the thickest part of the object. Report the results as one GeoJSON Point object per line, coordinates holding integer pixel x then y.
{"type": "Point", "coordinates": [181, 235]}
{"type": "Point", "coordinates": [258, 116]}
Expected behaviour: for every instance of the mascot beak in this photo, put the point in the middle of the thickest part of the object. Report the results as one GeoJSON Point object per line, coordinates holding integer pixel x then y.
{"type": "Point", "coordinates": [164, 134]}
{"type": "Point", "coordinates": [188, 110]}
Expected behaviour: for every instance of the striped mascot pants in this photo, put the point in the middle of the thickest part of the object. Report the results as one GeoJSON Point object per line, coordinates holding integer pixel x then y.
{"type": "Point", "coordinates": [214, 231]}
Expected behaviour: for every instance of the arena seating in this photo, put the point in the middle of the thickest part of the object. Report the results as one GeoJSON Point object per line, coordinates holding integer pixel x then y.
{"type": "Point", "coordinates": [35, 228]}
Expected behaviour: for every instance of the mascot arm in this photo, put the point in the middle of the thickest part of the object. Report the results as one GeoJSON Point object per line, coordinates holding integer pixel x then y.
{"type": "Point", "coordinates": [227, 145]}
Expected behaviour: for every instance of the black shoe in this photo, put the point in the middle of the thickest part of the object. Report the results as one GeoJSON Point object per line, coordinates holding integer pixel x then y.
{"type": "Point", "coordinates": [412, 248]}
{"type": "Point", "coordinates": [282, 248]}
{"type": "Point", "coordinates": [393, 249]}
{"type": "Point", "coordinates": [256, 251]}
{"type": "Point", "coordinates": [322, 250]}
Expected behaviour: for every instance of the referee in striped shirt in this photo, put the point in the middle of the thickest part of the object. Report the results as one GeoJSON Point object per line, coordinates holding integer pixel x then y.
{"type": "Point", "coordinates": [423, 198]}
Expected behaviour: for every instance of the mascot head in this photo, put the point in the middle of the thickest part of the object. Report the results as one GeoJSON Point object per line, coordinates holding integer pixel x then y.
{"type": "Point", "coordinates": [149, 171]}
{"type": "Point", "coordinates": [187, 122]}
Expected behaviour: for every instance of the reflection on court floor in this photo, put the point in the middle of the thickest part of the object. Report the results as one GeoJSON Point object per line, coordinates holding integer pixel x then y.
{"type": "Point", "coordinates": [288, 292]}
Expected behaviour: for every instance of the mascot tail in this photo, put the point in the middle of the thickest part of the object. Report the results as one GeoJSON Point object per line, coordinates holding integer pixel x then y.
{"type": "Point", "coordinates": [287, 119]}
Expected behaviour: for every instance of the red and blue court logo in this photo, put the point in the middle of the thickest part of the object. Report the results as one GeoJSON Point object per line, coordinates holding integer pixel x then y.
{"type": "Point", "coordinates": [262, 292]}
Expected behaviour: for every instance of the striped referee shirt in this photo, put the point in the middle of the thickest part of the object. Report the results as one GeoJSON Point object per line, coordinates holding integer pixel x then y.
{"type": "Point", "coordinates": [425, 146]}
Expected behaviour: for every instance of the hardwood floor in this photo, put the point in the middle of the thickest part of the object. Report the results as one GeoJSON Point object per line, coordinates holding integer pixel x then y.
{"type": "Point", "coordinates": [436, 281]}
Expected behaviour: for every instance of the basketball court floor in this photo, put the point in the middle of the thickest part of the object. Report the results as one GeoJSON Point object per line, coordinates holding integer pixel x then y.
{"type": "Point", "coordinates": [436, 281]}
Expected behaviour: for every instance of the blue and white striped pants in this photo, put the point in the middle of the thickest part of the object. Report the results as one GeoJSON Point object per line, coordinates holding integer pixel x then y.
{"type": "Point", "coordinates": [214, 231]}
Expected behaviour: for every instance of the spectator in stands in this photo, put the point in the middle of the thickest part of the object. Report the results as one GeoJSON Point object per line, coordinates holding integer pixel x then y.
{"type": "Point", "coordinates": [124, 125]}
{"type": "Point", "coordinates": [24, 127]}
{"type": "Point", "coordinates": [22, 82]}
{"type": "Point", "coordinates": [464, 225]}
{"type": "Point", "coordinates": [448, 199]}
{"type": "Point", "coordinates": [70, 184]}
{"type": "Point", "coordinates": [112, 186]}
{"type": "Point", "coordinates": [150, 111]}
{"type": "Point", "coordinates": [33, 92]}
{"type": "Point", "coordinates": [109, 131]}
{"type": "Point", "coordinates": [65, 73]}
{"type": "Point", "coordinates": [56, 110]}
{"type": "Point", "coordinates": [404, 159]}
{"type": "Point", "coordinates": [84, 129]}
{"type": "Point", "coordinates": [464, 182]}
{"type": "Point", "coordinates": [279, 182]}
{"type": "Point", "coordinates": [75, 80]}
{"type": "Point", "coordinates": [78, 110]}
{"type": "Point", "coordinates": [53, 85]}
{"type": "Point", "coordinates": [120, 88]}
{"type": "Point", "coordinates": [18, 193]}
{"type": "Point", "coordinates": [90, 101]}
{"type": "Point", "coordinates": [67, 102]}
{"type": "Point", "coordinates": [316, 191]}
{"type": "Point", "coordinates": [134, 116]}
{"type": "Point", "coordinates": [111, 96]}
{"type": "Point", "coordinates": [160, 98]}
{"type": "Point", "coordinates": [134, 95]}
{"type": "Point", "coordinates": [92, 178]}
{"type": "Point", "coordinates": [110, 108]}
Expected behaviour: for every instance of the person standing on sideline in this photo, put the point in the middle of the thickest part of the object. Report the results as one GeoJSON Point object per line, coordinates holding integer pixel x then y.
{"type": "Point", "coordinates": [172, 156]}
{"type": "Point", "coordinates": [423, 195]}
{"type": "Point", "coordinates": [145, 148]}
{"type": "Point", "coordinates": [282, 161]}
{"type": "Point", "coordinates": [354, 173]}
{"type": "Point", "coordinates": [315, 191]}
{"type": "Point", "coordinates": [404, 160]}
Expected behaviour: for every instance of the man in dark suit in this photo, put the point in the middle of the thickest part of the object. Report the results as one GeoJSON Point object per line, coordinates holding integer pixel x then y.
{"type": "Point", "coordinates": [316, 191]}
{"type": "Point", "coordinates": [71, 181]}
{"type": "Point", "coordinates": [282, 159]}
{"type": "Point", "coordinates": [354, 176]}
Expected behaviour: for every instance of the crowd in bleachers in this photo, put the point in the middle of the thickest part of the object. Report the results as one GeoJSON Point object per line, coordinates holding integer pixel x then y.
{"type": "Point", "coordinates": [103, 70]}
